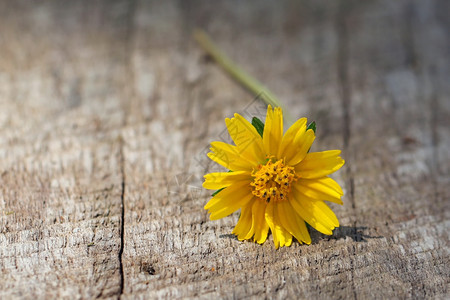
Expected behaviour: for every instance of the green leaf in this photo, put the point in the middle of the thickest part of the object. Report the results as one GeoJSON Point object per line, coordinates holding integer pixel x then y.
{"type": "Point", "coordinates": [259, 125]}
{"type": "Point", "coordinates": [312, 126]}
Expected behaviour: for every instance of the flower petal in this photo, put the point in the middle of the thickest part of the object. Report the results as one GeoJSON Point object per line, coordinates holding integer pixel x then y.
{"type": "Point", "coordinates": [323, 188]}
{"type": "Point", "coordinates": [301, 144]}
{"type": "Point", "coordinates": [273, 130]}
{"type": "Point", "coordinates": [316, 213]}
{"type": "Point", "coordinates": [229, 200]}
{"type": "Point", "coordinates": [280, 236]}
{"type": "Point", "coordinates": [270, 220]}
{"type": "Point", "coordinates": [246, 138]}
{"type": "Point", "coordinates": [244, 224]}
{"type": "Point", "coordinates": [260, 227]}
{"type": "Point", "coordinates": [293, 222]}
{"type": "Point", "coordinates": [286, 149]}
{"type": "Point", "coordinates": [319, 164]}
{"type": "Point", "coordinates": [230, 208]}
{"type": "Point", "coordinates": [214, 181]}
{"type": "Point", "coordinates": [228, 156]}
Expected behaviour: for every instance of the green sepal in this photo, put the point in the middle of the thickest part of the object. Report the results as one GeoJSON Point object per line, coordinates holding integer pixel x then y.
{"type": "Point", "coordinates": [259, 125]}
{"type": "Point", "coordinates": [312, 126]}
{"type": "Point", "coordinates": [216, 192]}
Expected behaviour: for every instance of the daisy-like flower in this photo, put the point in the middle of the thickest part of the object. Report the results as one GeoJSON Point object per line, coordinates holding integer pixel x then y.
{"type": "Point", "coordinates": [274, 179]}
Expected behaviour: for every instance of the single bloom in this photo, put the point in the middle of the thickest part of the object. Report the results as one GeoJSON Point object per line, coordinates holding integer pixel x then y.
{"type": "Point", "coordinates": [274, 180]}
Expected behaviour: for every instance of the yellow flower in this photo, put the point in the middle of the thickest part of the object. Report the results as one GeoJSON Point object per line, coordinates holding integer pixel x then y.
{"type": "Point", "coordinates": [274, 180]}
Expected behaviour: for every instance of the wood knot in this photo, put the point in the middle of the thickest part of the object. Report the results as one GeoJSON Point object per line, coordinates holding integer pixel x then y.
{"type": "Point", "coordinates": [148, 268]}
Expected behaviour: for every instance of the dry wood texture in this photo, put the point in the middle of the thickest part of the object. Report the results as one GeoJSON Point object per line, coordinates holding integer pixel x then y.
{"type": "Point", "coordinates": [107, 107]}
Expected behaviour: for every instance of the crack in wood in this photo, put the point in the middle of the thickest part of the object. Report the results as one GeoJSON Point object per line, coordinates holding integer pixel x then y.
{"type": "Point", "coordinates": [122, 216]}
{"type": "Point", "coordinates": [129, 46]}
{"type": "Point", "coordinates": [342, 69]}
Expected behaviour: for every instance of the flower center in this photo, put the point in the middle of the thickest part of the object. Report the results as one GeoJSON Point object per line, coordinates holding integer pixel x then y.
{"type": "Point", "coordinates": [272, 181]}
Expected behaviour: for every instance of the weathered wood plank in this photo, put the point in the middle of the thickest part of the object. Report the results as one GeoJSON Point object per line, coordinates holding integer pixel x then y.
{"type": "Point", "coordinates": [61, 71]}
{"type": "Point", "coordinates": [116, 105]}
{"type": "Point", "coordinates": [321, 65]}
{"type": "Point", "coordinates": [391, 152]}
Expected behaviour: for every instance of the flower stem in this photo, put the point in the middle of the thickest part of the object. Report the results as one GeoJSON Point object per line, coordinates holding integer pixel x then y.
{"type": "Point", "coordinates": [250, 83]}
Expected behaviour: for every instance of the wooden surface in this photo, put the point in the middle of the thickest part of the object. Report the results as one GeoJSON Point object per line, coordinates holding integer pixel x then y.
{"type": "Point", "coordinates": [107, 107]}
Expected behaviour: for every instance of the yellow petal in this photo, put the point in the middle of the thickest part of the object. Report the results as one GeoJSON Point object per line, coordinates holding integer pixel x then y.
{"type": "Point", "coordinates": [286, 149]}
{"type": "Point", "coordinates": [214, 181]}
{"type": "Point", "coordinates": [326, 212]}
{"type": "Point", "coordinates": [273, 130]}
{"type": "Point", "coordinates": [255, 219]}
{"type": "Point", "coordinates": [323, 188]}
{"type": "Point", "coordinates": [246, 138]}
{"type": "Point", "coordinates": [259, 226]}
{"type": "Point", "coordinates": [232, 193]}
{"type": "Point", "coordinates": [244, 224]}
{"type": "Point", "coordinates": [319, 164]}
{"type": "Point", "coordinates": [270, 222]}
{"type": "Point", "coordinates": [293, 222]}
{"type": "Point", "coordinates": [228, 156]}
{"type": "Point", "coordinates": [316, 213]}
{"type": "Point", "coordinates": [280, 236]}
{"type": "Point", "coordinates": [301, 144]}
{"type": "Point", "coordinates": [283, 235]}
{"type": "Point", "coordinates": [230, 207]}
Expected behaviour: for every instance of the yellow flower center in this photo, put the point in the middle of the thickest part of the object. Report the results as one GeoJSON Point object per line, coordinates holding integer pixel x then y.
{"type": "Point", "coordinates": [273, 181]}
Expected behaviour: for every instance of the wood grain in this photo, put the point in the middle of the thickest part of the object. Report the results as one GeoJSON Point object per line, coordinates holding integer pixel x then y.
{"type": "Point", "coordinates": [107, 109]}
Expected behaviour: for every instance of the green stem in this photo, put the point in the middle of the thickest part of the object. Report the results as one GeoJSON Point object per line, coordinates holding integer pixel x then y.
{"type": "Point", "coordinates": [254, 86]}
